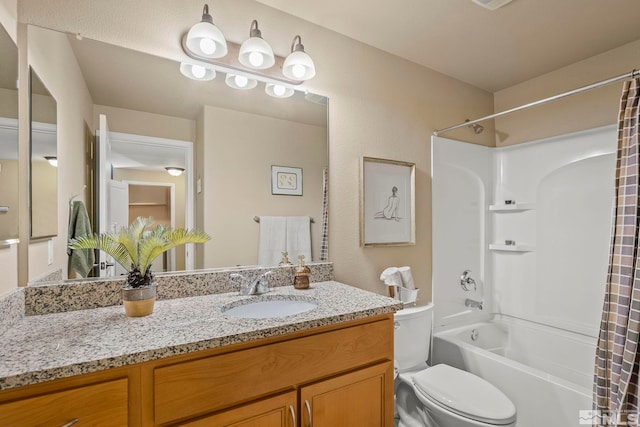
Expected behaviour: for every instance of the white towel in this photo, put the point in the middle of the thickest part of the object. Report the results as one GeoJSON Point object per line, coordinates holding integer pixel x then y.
{"type": "Point", "coordinates": [407, 277]}
{"type": "Point", "coordinates": [391, 276]}
{"type": "Point", "coordinates": [272, 239]}
{"type": "Point", "coordinates": [298, 238]}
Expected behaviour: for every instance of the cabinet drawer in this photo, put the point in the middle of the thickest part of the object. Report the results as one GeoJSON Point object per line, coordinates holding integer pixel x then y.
{"type": "Point", "coordinates": [103, 404]}
{"type": "Point", "coordinates": [278, 411]}
{"type": "Point", "coordinates": [201, 386]}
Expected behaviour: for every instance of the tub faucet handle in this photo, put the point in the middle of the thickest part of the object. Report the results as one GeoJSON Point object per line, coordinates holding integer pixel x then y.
{"type": "Point", "coordinates": [467, 282]}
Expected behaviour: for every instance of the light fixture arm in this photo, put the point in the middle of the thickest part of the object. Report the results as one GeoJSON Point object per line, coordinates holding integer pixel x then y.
{"type": "Point", "coordinates": [254, 31]}
{"type": "Point", "coordinates": [206, 17]}
{"type": "Point", "coordinates": [296, 47]}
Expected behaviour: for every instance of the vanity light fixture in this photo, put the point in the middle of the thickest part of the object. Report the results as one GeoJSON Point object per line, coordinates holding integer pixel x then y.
{"type": "Point", "coordinates": [255, 52]}
{"type": "Point", "coordinates": [238, 81]}
{"type": "Point", "coordinates": [254, 58]}
{"type": "Point", "coordinates": [197, 72]}
{"type": "Point", "coordinates": [298, 65]}
{"type": "Point", "coordinates": [53, 160]}
{"type": "Point", "coordinates": [277, 90]}
{"type": "Point", "coordinates": [205, 39]}
{"type": "Point", "coordinates": [174, 170]}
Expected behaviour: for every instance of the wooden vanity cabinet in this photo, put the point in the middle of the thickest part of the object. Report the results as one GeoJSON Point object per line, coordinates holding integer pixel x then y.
{"type": "Point", "coordinates": [277, 411]}
{"type": "Point", "coordinates": [338, 375]}
{"type": "Point", "coordinates": [355, 399]}
{"type": "Point", "coordinates": [101, 399]}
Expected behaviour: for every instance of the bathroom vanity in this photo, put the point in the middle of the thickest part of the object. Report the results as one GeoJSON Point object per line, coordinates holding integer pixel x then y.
{"type": "Point", "coordinates": [191, 364]}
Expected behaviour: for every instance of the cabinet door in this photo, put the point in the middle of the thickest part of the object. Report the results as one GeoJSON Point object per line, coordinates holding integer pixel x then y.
{"type": "Point", "coordinates": [103, 404]}
{"type": "Point", "coordinates": [277, 411]}
{"type": "Point", "coordinates": [360, 398]}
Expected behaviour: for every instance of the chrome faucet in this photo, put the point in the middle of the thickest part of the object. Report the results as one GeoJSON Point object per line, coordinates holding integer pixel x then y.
{"type": "Point", "coordinates": [257, 286]}
{"type": "Point", "coordinates": [473, 303]}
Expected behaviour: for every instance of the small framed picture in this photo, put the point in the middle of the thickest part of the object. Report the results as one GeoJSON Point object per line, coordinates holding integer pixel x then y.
{"type": "Point", "coordinates": [387, 202]}
{"type": "Point", "coordinates": [286, 180]}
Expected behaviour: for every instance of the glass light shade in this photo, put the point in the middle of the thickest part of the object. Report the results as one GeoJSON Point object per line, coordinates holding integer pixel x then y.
{"type": "Point", "coordinates": [197, 72]}
{"type": "Point", "coordinates": [205, 39]}
{"type": "Point", "coordinates": [256, 53]}
{"type": "Point", "coordinates": [298, 66]}
{"type": "Point", "coordinates": [174, 171]}
{"type": "Point", "coordinates": [240, 82]}
{"type": "Point", "coordinates": [278, 91]}
{"type": "Point", "coordinates": [53, 160]}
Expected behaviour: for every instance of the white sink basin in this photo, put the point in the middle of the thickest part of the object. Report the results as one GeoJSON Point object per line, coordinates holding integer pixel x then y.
{"type": "Point", "coordinates": [269, 308]}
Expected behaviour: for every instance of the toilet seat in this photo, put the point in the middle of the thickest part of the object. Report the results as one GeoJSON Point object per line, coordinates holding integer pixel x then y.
{"type": "Point", "coordinates": [464, 394]}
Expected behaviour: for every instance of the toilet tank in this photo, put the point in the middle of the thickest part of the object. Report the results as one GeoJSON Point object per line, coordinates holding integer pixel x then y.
{"type": "Point", "coordinates": [412, 336]}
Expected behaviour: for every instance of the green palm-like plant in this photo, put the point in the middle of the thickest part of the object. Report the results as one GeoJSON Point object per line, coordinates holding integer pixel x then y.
{"type": "Point", "coordinates": [136, 246]}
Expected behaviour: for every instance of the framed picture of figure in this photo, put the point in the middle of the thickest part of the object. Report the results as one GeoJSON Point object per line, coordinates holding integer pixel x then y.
{"type": "Point", "coordinates": [387, 202]}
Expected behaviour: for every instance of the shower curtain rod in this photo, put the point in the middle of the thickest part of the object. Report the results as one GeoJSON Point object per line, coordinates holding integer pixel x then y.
{"type": "Point", "coordinates": [630, 75]}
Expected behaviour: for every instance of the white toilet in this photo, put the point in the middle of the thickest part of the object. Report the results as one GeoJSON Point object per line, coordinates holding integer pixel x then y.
{"type": "Point", "coordinates": [440, 395]}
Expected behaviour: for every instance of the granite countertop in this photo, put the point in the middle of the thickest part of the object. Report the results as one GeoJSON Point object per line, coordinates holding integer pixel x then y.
{"type": "Point", "coordinates": [50, 346]}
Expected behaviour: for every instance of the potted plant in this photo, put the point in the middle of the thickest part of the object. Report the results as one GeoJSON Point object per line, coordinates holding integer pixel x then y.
{"type": "Point", "coordinates": [135, 247]}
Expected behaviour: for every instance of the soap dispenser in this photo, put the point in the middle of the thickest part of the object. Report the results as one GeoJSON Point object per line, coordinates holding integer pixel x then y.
{"type": "Point", "coordinates": [301, 275]}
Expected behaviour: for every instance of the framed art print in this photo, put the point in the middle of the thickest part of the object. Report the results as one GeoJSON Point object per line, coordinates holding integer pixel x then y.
{"type": "Point", "coordinates": [387, 202]}
{"type": "Point", "coordinates": [286, 180]}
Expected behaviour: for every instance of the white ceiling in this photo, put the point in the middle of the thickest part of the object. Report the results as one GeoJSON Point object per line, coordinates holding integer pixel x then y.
{"type": "Point", "coordinates": [488, 49]}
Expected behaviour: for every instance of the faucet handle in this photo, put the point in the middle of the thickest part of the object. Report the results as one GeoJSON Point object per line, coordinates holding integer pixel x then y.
{"type": "Point", "coordinates": [236, 276]}
{"type": "Point", "coordinates": [263, 283]}
{"type": "Point", "coordinates": [467, 282]}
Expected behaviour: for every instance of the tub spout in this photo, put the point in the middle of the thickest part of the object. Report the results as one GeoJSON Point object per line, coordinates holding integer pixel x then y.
{"type": "Point", "coordinates": [473, 303]}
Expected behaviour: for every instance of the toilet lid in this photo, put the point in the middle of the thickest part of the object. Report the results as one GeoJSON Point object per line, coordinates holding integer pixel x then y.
{"type": "Point", "coordinates": [465, 394]}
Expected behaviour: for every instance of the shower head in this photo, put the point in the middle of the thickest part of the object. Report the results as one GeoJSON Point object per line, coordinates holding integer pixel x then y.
{"type": "Point", "coordinates": [477, 129]}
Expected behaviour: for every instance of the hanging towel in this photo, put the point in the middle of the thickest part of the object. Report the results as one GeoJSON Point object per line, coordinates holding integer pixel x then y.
{"type": "Point", "coordinates": [299, 237]}
{"type": "Point", "coordinates": [81, 259]}
{"type": "Point", "coordinates": [272, 239]}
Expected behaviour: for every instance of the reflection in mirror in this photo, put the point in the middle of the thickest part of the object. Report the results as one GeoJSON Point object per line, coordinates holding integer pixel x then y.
{"type": "Point", "coordinates": [154, 112]}
{"type": "Point", "coordinates": [8, 139]}
{"type": "Point", "coordinates": [44, 161]}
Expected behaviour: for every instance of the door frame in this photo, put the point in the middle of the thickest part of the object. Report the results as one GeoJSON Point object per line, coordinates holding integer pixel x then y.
{"type": "Point", "coordinates": [186, 147]}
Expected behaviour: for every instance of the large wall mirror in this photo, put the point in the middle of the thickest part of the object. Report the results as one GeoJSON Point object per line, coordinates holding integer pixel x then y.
{"type": "Point", "coordinates": [154, 118]}
{"type": "Point", "coordinates": [8, 139]}
{"type": "Point", "coordinates": [44, 160]}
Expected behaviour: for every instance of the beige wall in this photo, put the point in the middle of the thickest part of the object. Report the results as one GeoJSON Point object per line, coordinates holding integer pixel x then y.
{"type": "Point", "coordinates": [9, 103]}
{"type": "Point", "coordinates": [53, 60]}
{"type": "Point", "coordinates": [9, 17]}
{"type": "Point", "coordinates": [591, 109]}
{"type": "Point", "coordinates": [147, 124]}
{"type": "Point", "coordinates": [236, 180]}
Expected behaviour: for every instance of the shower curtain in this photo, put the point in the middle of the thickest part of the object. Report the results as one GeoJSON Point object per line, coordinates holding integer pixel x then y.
{"type": "Point", "coordinates": [616, 388]}
{"type": "Point", "coordinates": [324, 246]}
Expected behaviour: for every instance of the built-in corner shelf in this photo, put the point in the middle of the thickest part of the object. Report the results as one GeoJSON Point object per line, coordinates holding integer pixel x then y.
{"type": "Point", "coordinates": [501, 247]}
{"type": "Point", "coordinates": [515, 207]}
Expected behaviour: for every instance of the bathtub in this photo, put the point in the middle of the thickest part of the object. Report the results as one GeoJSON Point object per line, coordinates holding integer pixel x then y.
{"type": "Point", "coordinates": [546, 372]}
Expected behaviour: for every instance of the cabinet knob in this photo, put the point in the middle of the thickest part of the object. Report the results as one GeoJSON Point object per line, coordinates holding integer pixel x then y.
{"type": "Point", "coordinates": [70, 423]}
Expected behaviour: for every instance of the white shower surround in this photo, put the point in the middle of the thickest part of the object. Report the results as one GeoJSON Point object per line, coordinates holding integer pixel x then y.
{"type": "Point", "coordinates": [542, 301]}
{"type": "Point", "coordinates": [568, 184]}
